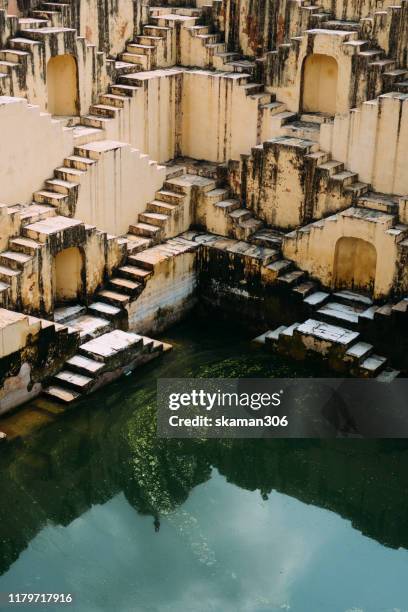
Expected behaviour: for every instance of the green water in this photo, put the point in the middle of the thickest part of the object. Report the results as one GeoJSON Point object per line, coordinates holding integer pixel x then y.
{"type": "Point", "coordinates": [94, 505]}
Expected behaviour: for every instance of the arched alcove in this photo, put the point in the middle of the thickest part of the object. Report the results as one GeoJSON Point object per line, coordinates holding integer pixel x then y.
{"type": "Point", "coordinates": [62, 85]}
{"type": "Point", "coordinates": [355, 264]}
{"type": "Point", "coordinates": [319, 83]}
{"type": "Point", "coordinates": [68, 266]}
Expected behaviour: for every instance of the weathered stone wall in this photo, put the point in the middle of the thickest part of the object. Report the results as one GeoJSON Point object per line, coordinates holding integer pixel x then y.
{"type": "Point", "coordinates": [30, 351]}
{"type": "Point", "coordinates": [117, 187]}
{"type": "Point", "coordinates": [372, 140]}
{"type": "Point", "coordinates": [35, 146]}
{"type": "Point", "coordinates": [168, 296]}
{"type": "Point", "coordinates": [313, 248]}
{"type": "Point", "coordinates": [108, 24]}
{"type": "Point", "coordinates": [253, 27]}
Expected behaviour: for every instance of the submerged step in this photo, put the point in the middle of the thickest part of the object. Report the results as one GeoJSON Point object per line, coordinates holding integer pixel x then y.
{"type": "Point", "coordinates": [61, 394]}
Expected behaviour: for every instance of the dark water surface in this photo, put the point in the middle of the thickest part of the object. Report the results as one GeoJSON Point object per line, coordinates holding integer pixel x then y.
{"type": "Point", "coordinates": [94, 505]}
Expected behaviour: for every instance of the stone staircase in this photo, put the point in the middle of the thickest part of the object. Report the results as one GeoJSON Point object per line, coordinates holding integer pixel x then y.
{"type": "Point", "coordinates": [63, 190]}
{"type": "Point", "coordinates": [374, 71]}
{"type": "Point", "coordinates": [334, 327]}
{"type": "Point", "coordinates": [102, 360]}
{"type": "Point", "coordinates": [35, 39]}
{"type": "Point", "coordinates": [225, 216]}
{"type": "Point", "coordinates": [55, 13]}
{"type": "Point", "coordinates": [321, 185]}
{"type": "Point", "coordinates": [22, 253]}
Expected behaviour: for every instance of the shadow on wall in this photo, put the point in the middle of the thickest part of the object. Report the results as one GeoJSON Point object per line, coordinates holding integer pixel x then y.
{"type": "Point", "coordinates": [319, 84]}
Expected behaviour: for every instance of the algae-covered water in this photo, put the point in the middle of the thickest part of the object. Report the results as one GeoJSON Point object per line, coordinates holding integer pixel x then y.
{"type": "Point", "coordinates": [93, 504]}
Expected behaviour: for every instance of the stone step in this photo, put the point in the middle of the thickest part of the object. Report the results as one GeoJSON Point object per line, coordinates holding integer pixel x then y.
{"type": "Point", "coordinates": [372, 366]}
{"type": "Point", "coordinates": [140, 49]}
{"type": "Point", "coordinates": [123, 68]}
{"type": "Point", "coordinates": [113, 100]}
{"type": "Point", "coordinates": [353, 299]}
{"type": "Point", "coordinates": [250, 226]}
{"type": "Point", "coordinates": [85, 135]}
{"type": "Point", "coordinates": [65, 314]}
{"type": "Point", "coordinates": [107, 311]}
{"type": "Point", "coordinates": [304, 289]}
{"type": "Point", "coordinates": [73, 381]}
{"type": "Point", "coordinates": [90, 326]}
{"type": "Point", "coordinates": [125, 90]}
{"type": "Point", "coordinates": [113, 297]}
{"type": "Point", "coordinates": [61, 186]}
{"type": "Point", "coordinates": [49, 197]}
{"type": "Point", "coordinates": [357, 189]}
{"type": "Point", "coordinates": [228, 206]}
{"type": "Point", "coordinates": [162, 208]}
{"type": "Point", "coordinates": [291, 278]}
{"type": "Point", "coordinates": [139, 60]}
{"type": "Point", "coordinates": [334, 312]}
{"type": "Point", "coordinates": [279, 267]}
{"type": "Point", "coordinates": [78, 162]}
{"type": "Point", "coordinates": [156, 30]}
{"type": "Point", "coordinates": [289, 331]}
{"type": "Point", "coordinates": [270, 337]}
{"type": "Point", "coordinates": [14, 259]}
{"type": "Point", "coordinates": [84, 365]}
{"type": "Point", "coordinates": [146, 230]}
{"type": "Point", "coordinates": [136, 269]}
{"type": "Point", "coordinates": [331, 335]}
{"type": "Point", "coordinates": [216, 195]}
{"type": "Point", "coordinates": [331, 167]}
{"type": "Point", "coordinates": [95, 121]}
{"type": "Point", "coordinates": [111, 347]}
{"type": "Point", "coordinates": [383, 312]}
{"type": "Point", "coordinates": [316, 300]}
{"type": "Point", "coordinates": [124, 285]}
{"type": "Point", "coordinates": [13, 55]}
{"type": "Point", "coordinates": [25, 245]}
{"type": "Point", "coordinates": [169, 196]}
{"type": "Point", "coordinates": [345, 178]}
{"type": "Point", "coordinates": [303, 130]}
{"type": "Point", "coordinates": [240, 214]}
{"type": "Point", "coordinates": [7, 67]}
{"type": "Point", "coordinates": [69, 174]}
{"type": "Point", "coordinates": [388, 375]}
{"type": "Point", "coordinates": [149, 41]}
{"type": "Point", "coordinates": [61, 394]}
{"type": "Point", "coordinates": [400, 309]}
{"type": "Point", "coordinates": [152, 218]}
{"type": "Point", "coordinates": [378, 201]}
{"type": "Point", "coordinates": [267, 238]}
{"type": "Point", "coordinates": [358, 352]}
{"type": "Point", "coordinates": [36, 212]}
{"type": "Point", "coordinates": [316, 117]}
{"type": "Point", "coordinates": [24, 44]}
{"type": "Point", "coordinates": [25, 23]}
{"type": "Point", "coordinates": [8, 275]}
{"type": "Point", "coordinates": [104, 110]}
{"type": "Point", "coordinates": [136, 244]}
{"type": "Point", "coordinates": [42, 231]}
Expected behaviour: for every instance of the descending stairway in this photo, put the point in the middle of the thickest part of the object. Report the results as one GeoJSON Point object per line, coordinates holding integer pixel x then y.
{"type": "Point", "coordinates": [101, 360]}
{"type": "Point", "coordinates": [334, 323]}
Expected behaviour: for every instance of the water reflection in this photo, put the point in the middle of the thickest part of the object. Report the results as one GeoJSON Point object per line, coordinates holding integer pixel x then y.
{"type": "Point", "coordinates": [98, 503]}
{"type": "Point", "coordinates": [55, 478]}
